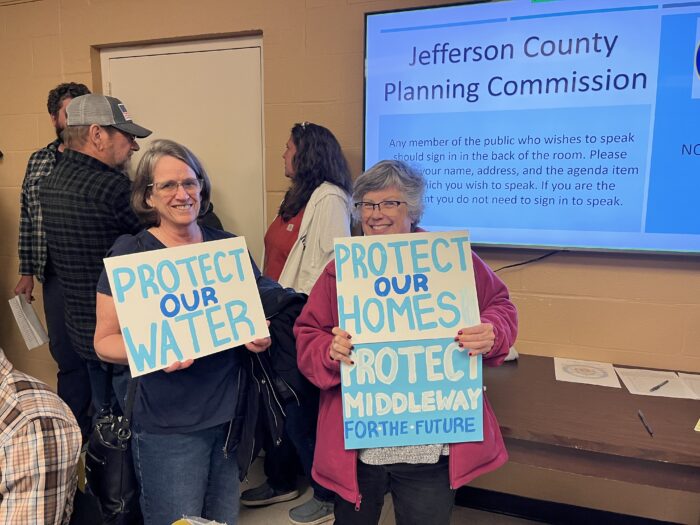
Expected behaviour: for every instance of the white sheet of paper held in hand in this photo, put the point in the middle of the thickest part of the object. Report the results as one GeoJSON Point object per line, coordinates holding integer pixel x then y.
{"type": "Point", "coordinates": [185, 302]}
{"type": "Point", "coordinates": [31, 328]}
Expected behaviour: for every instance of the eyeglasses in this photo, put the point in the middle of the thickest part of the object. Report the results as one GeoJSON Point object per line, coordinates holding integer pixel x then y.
{"type": "Point", "coordinates": [385, 206]}
{"type": "Point", "coordinates": [170, 187]}
{"type": "Point", "coordinates": [303, 125]}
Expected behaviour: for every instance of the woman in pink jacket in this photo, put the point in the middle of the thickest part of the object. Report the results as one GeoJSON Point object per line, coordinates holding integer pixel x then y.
{"type": "Point", "coordinates": [422, 479]}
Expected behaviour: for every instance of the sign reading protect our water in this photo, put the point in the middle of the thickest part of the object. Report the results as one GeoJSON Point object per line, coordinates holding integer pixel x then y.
{"type": "Point", "coordinates": [185, 302]}
{"type": "Point", "coordinates": [403, 298]}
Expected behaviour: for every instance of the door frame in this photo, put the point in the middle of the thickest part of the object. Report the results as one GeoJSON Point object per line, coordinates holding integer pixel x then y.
{"type": "Point", "coordinates": [103, 53]}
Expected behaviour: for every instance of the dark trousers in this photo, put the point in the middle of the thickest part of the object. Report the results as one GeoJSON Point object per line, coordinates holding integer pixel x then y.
{"type": "Point", "coordinates": [73, 382]}
{"type": "Point", "coordinates": [298, 443]}
{"type": "Point", "coordinates": [421, 494]}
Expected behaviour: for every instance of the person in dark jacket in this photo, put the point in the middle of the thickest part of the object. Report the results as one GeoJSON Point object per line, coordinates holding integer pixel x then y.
{"type": "Point", "coordinates": [271, 384]}
{"type": "Point", "coordinates": [281, 405]}
{"type": "Point", "coordinates": [183, 415]}
{"type": "Point", "coordinates": [298, 244]}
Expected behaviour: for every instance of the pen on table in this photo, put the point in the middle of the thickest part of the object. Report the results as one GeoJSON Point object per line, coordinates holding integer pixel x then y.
{"type": "Point", "coordinates": [655, 388]}
{"type": "Point", "coordinates": [644, 422]}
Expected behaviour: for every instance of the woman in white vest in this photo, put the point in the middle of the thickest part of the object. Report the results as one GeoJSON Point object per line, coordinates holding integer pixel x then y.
{"type": "Point", "coordinates": [298, 245]}
{"type": "Point", "coordinates": [314, 211]}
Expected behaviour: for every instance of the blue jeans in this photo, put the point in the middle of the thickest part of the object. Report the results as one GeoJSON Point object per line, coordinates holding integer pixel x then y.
{"type": "Point", "coordinates": [186, 475]}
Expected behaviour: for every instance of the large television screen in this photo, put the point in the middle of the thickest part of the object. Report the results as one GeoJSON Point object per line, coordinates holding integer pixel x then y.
{"type": "Point", "coordinates": [570, 124]}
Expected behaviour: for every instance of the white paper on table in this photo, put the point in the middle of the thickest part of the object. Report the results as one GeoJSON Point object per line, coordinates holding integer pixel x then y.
{"type": "Point", "coordinates": [692, 382]}
{"type": "Point", "coordinates": [640, 381]}
{"type": "Point", "coordinates": [587, 372]}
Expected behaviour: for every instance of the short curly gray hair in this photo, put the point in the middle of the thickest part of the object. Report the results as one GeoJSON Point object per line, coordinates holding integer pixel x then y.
{"type": "Point", "coordinates": [393, 173]}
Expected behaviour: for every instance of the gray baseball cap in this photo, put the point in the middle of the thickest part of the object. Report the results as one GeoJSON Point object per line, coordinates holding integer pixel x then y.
{"type": "Point", "coordinates": [104, 111]}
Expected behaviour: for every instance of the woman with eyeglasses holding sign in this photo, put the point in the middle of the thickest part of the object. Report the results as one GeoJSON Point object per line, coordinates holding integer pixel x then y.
{"type": "Point", "coordinates": [422, 478]}
{"type": "Point", "coordinates": [182, 442]}
{"type": "Point", "coordinates": [298, 245]}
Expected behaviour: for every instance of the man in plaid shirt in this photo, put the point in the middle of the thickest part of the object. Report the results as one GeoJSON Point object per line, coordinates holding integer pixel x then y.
{"type": "Point", "coordinates": [86, 206]}
{"type": "Point", "coordinates": [39, 450]}
{"type": "Point", "coordinates": [34, 260]}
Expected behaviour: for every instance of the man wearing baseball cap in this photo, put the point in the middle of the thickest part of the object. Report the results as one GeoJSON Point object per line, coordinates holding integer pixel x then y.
{"type": "Point", "coordinates": [35, 261]}
{"type": "Point", "coordinates": [86, 203]}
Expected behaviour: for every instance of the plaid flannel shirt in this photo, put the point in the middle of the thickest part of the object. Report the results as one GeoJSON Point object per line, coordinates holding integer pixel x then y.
{"type": "Point", "coordinates": [86, 206]}
{"type": "Point", "coordinates": [39, 450]}
{"type": "Point", "coordinates": [32, 240]}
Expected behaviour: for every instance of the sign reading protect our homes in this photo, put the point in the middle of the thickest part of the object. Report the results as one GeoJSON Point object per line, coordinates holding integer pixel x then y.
{"type": "Point", "coordinates": [403, 298]}
{"type": "Point", "coordinates": [185, 302]}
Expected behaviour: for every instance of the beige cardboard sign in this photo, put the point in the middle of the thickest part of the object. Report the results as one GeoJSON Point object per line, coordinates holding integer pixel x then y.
{"type": "Point", "coordinates": [185, 302]}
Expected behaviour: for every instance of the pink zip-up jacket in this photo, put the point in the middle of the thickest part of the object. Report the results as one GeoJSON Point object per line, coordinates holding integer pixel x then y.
{"type": "Point", "coordinates": [336, 468]}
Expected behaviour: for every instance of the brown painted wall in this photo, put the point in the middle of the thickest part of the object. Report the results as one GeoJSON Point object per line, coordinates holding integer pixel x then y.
{"type": "Point", "coordinates": [629, 309]}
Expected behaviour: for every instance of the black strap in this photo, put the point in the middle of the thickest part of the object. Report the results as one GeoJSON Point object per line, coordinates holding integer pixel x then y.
{"type": "Point", "coordinates": [130, 397]}
{"type": "Point", "coordinates": [107, 400]}
{"type": "Point", "coordinates": [133, 382]}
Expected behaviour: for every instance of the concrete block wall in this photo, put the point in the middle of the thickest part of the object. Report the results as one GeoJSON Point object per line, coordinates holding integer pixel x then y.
{"type": "Point", "coordinates": [630, 309]}
{"type": "Point", "coordinates": [625, 308]}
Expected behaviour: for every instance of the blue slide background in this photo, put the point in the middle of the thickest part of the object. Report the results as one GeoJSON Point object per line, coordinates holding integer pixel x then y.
{"type": "Point", "coordinates": [563, 214]}
{"type": "Point", "coordinates": [674, 185]}
{"type": "Point", "coordinates": [651, 208]}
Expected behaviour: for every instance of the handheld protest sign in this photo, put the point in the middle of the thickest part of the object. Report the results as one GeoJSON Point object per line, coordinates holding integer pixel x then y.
{"type": "Point", "coordinates": [403, 298]}
{"type": "Point", "coordinates": [185, 302]}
